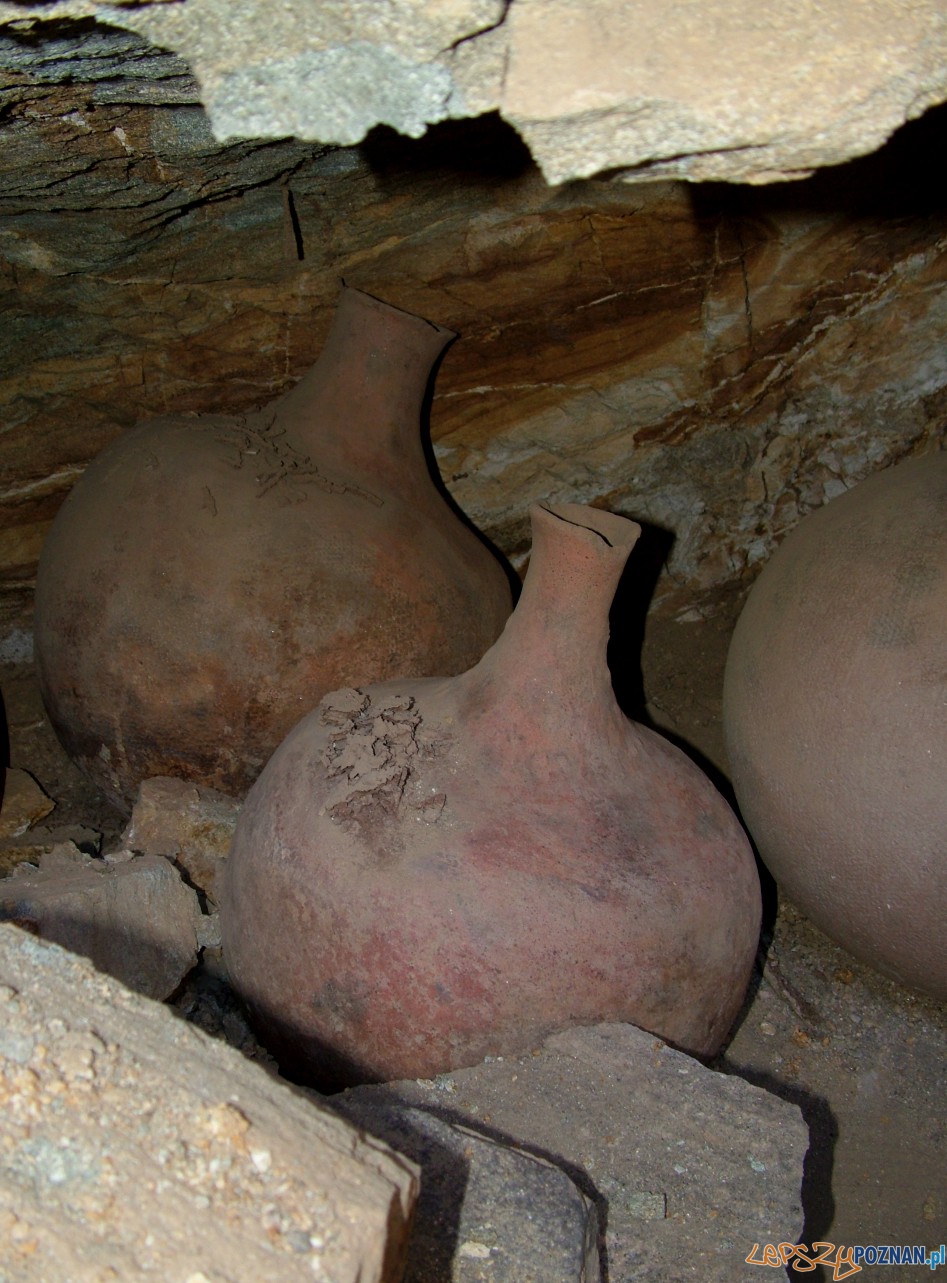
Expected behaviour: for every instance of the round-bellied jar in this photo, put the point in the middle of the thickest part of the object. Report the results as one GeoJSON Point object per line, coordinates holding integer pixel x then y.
{"type": "Point", "coordinates": [835, 713]}
{"type": "Point", "coordinates": [430, 872]}
{"type": "Point", "coordinates": [210, 577]}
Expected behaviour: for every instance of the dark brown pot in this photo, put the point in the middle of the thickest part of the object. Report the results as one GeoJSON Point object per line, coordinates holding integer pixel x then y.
{"type": "Point", "coordinates": [835, 711]}
{"type": "Point", "coordinates": [430, 872]}
{"type": "Point", "coordinates": [210, 578]}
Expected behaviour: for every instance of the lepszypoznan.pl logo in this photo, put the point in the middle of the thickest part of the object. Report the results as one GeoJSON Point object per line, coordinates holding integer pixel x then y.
{"type": "Point", "coordinates": [845, 1261]}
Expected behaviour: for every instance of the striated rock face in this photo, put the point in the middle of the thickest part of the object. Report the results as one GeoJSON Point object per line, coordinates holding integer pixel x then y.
{"type": "Point", "coordinates": [713, 360]}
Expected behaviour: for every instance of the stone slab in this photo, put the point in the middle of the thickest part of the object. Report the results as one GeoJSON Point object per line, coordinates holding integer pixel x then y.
{"type": "Point", "coordinates": [135, 920]}
{"type": "Point", "coordinates": [690, 1167]}
{"type": "Point", "coordinates": [487, 1211]}
{"type": "Point", "coordinates": [134, 1147]}
{"type": "Point", "coordinates": [718, 90]}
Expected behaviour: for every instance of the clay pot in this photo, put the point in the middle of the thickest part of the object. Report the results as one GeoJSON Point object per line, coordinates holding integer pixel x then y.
{"type": "Point", "coordinates": [210, 578]}
{"type": "Point", "coordinates": [835, 708]}
{"type": "Point", "coordinates": [430, 872]}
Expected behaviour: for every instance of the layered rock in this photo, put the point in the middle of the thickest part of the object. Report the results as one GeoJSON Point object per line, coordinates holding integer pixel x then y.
{"type": "Point", "coordinates": [713, 360]}
{"type": "Point", "coordinates": [714, 90]}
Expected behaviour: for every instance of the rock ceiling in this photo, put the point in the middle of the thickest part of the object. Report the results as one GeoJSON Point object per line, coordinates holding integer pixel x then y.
{"type": "Point", "coordinates": [722, 89]}
{"type": "Point", "coordinates": [715, 359]}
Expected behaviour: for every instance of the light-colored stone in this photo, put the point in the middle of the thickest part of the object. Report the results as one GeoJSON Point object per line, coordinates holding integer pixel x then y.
{"type": "Point", "coordinates": [136, 920]}
{"type": "Point", "coordinates": [695, 1166]}
{"type": "Point", "coordinates": [715, 90]}
{"type": "Point", "coordinates": [133, 1147]}
{"type": "Point", "coordinates": [720, 89]}
{"type": "Point", "coordinates": [23, 803]}
{"type": "Point", "coordinates": [191, 825]}
{"type": "Point", "coordinates": [328, 72]}
{"type": "Point", "coordinates": [487, 1210]}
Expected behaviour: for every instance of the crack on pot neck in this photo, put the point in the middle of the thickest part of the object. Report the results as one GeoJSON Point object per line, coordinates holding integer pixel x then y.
{"type": "Point", "coordinates": [594, 521]}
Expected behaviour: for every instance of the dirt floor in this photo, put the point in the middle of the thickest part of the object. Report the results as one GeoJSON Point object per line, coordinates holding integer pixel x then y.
{"type": "Point", "coordinates": [863, 1058]}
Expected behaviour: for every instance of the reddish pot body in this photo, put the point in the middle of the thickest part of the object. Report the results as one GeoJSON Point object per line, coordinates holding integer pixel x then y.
{"type": "Point", "coordinates": [427, 873]}
{"type": "Point", "coordinates": [835, 710]}
{"type": "Point", "coordinates": [210, 578]}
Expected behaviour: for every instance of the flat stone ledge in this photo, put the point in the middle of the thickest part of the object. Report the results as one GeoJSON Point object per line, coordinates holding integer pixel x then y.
{"type": "Point", "coordinates": [691, 1167]}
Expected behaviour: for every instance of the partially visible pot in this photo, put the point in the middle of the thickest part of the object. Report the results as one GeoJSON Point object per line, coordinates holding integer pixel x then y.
{"type": "Point", "coordinates": [210, 578]}
{"type": "Point", "coordinates": [835, 712]}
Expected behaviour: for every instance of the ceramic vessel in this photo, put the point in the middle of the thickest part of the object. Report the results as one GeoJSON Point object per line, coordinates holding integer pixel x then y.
{"type": "Point", "coordinates": [210, 578]}
{"type": "Point", "coordinates": [835, 710]}
{"type": "Point", "coordinates": [431, 872]}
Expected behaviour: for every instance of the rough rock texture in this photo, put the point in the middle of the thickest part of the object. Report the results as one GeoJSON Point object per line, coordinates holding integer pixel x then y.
{"type": "Point", "coordinates": [690, 1167]}
{"type": "Point", "coordinates": [41, 840]}
{"type": "Point", "coordinates": [135, 920]}
{"type": "Point", "coordinates": [22, 803]}
{"type": "Point", "coordinates": [719, 89]}
{"type": "Point", "coordinates": [712, 90]}
{"type": "Point", "coordinates": [486, 1211]}
{"type": "Point", "coordinates": [134, 1147]}
{"type": "Point", "coordinates": [713, 361]}
{"type": "Point", "coordinates": [328, 72]}
{"type": "Point", "coordinates": [190, 825]}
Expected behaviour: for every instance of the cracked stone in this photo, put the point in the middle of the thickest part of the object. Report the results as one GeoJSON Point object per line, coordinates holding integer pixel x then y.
{"type": "Point", "coordinates": [190, 824]}
{"type": "Point", "coordinates": [487, 1210]}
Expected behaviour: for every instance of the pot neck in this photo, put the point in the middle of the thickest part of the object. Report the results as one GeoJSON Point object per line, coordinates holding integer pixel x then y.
{"type": "Point", "coordinates": [551, 658]}
{"type": "Point", "coordinates": [366, 390]}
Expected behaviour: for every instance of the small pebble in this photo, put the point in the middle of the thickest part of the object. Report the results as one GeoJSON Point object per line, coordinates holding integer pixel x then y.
{"type": "Point", "coordinates": [476, 1251]}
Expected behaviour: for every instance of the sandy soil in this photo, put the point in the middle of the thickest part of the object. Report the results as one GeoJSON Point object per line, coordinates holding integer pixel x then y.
{"type": "Point", "coordinates": [863, 1058]}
